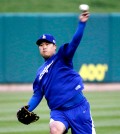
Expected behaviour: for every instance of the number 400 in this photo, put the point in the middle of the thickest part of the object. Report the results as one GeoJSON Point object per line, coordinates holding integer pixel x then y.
{"type": "Point", "coordinates": [93, 72]}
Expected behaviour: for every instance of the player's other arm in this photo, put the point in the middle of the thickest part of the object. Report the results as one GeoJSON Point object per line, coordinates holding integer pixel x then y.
{"type": "Point", "coordinates": [72, 46]}
{"type": "Point", "coordinates": [35, 100]}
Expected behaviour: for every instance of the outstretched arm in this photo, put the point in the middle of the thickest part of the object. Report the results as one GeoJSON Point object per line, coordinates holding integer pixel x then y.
{"type": "Point", "coordinates": [35, 100]}
{"type": "Point", "coordinates": [72, 46]}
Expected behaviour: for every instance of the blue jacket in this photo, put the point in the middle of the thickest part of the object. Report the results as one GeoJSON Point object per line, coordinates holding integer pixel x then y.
{"type": "Point", "coordinates": [57, 80]}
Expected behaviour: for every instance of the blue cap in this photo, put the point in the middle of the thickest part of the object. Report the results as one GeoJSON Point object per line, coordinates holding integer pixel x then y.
{"type": "Point", "coordinates": [46, 37]}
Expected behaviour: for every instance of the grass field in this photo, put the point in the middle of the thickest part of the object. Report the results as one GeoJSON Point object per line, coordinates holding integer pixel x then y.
{"type": "Point", "coordinates": [105, 107]}
{"type": "Point", "coordinates": [58, 5]}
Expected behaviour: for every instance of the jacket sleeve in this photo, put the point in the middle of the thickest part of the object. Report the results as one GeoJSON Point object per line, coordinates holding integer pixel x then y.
{"type": "Point", "coordinates": [35, 100]}
{"type": "Point", "coordinates": [70, 48]}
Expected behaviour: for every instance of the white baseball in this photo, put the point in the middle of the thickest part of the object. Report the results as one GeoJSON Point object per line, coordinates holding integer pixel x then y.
{"type": "Point", "coordinates": [84, 7]}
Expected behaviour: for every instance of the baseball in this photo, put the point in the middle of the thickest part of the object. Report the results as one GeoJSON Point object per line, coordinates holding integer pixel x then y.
{"type": "Point", "coordinates": [84, 7]}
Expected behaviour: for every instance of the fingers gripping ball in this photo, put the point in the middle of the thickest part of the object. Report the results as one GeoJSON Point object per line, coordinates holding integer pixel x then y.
{"type": "Point", "coordinates": [26, 117]}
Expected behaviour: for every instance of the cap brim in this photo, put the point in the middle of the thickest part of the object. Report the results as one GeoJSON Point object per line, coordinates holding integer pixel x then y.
{"type": "Point", "coordinates": [42, 40]}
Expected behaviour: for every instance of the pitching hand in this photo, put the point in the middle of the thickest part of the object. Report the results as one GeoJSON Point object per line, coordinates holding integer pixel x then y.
{"type": "Point", "coordinates": [84, 16]}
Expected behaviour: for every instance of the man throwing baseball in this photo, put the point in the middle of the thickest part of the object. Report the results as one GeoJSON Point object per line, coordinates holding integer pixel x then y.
{"type": "Point", "coordinates": [62, 86]}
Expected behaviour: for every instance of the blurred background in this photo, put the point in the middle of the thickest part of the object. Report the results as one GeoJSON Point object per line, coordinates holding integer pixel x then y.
{"type": "Point", "coordinates": [97, 58]}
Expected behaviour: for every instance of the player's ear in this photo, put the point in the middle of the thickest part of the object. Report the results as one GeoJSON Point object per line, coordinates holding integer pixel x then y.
{"type": "Point", "coordinates": [55, 46]}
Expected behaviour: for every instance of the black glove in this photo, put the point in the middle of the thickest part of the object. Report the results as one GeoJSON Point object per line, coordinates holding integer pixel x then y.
{"type": "Point", "coordinates": [26, 117]}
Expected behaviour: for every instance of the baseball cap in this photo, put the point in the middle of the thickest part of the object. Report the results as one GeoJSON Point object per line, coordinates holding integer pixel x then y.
{"type": "Point", "coordinates": [46, 37]}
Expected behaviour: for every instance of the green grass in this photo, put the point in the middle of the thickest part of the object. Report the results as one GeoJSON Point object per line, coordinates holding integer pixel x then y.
{"type": "Point", "coordinates": [105, 107]}
{"type": "Point", "coordinates": [58, 5]}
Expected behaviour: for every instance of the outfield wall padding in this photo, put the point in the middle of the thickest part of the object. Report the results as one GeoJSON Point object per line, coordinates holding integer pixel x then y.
{"type": "Point", "coordinates": [97, 58]}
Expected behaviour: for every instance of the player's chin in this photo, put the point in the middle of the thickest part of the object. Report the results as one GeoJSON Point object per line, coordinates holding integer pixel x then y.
{"type": "Point", "coordinates": [45, 56]}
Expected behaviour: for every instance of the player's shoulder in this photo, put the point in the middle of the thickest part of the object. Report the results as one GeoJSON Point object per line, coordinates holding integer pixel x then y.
{"type": "Point", "coordinates": [62, 48]}
{"type": "Point", "coordinates": [40, 68]}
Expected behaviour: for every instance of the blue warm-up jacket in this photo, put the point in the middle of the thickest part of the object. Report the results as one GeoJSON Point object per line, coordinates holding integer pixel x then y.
{"type": "Point", "coordinates": [57, 80]}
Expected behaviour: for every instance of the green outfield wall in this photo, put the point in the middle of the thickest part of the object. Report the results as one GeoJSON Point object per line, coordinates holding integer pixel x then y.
{"type": "Point", "coordinates": [97, 58]}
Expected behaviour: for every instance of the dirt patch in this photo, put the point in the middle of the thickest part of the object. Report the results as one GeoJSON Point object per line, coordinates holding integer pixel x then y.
{"type": "Point", "coordinates": [88, 87]}
{"type": "Point", "coordinates": [103, 87]}
{"type": "Point", "coordinates": [15, 87]}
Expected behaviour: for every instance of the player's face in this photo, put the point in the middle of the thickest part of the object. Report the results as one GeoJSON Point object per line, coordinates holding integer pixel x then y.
{"type": "Point", "coordinates": [47, 49]}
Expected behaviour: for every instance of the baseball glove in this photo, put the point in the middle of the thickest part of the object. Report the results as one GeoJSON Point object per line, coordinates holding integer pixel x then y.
{"type": "Point", "coordinates": [26, 117]}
